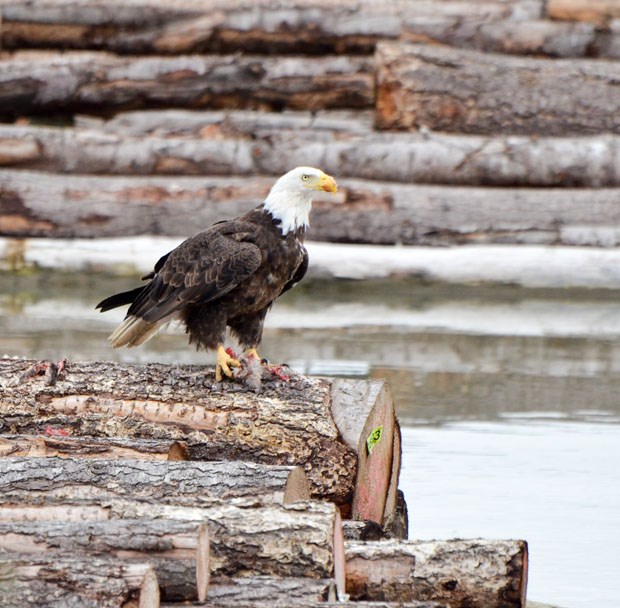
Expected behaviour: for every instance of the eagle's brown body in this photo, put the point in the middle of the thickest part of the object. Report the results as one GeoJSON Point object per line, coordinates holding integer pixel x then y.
{"type": "Point", "coordinates": [228, 275]}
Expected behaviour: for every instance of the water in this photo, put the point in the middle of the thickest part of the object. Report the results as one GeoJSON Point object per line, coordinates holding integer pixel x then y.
{"type": "Point", "coordinates": [508, 400]}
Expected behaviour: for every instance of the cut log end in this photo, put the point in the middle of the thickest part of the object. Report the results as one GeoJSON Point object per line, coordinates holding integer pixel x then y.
{"type": "Point", "coordinates": [149, 590]}
{"type": "Point", "coordinates": [297, 487]}
{"type": "Point", "coordinates": [203, 566]}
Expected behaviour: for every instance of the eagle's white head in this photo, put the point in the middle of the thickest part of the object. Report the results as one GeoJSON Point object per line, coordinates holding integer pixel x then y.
{"type": "Point", "coordinates": [290, 198]}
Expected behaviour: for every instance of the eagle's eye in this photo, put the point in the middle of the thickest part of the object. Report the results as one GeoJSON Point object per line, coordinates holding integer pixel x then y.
{"type": "Point", "coordinates": [305, 177]}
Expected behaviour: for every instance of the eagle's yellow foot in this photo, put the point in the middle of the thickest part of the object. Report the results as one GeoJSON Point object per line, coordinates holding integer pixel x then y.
{"type": "Point", "coordinates": [224, 363]}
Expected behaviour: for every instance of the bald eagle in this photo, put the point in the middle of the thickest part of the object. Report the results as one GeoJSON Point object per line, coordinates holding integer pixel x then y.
{"type": "Point", "coordinates": [228, 275]}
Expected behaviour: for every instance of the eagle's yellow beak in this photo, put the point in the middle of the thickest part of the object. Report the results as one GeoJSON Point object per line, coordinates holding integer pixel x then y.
{"type": "Point", "coordinates": [327, 183]}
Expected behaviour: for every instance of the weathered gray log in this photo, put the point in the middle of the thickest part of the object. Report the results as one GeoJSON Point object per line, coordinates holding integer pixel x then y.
{"type": "Point", "coordinates": [455, 90]}
{"type": "Point", "coordinates": [302, 26]}
{"type": "Point", "coordinates": [32, 82]}
{"type": "Point", "coordinates": [76, 583]}
{"type": "Point", "coordinates": [287, 423]}
{"type": "Point", "coordinates": [462, 573]}
{"type": "Point", "coordinates": [34, 203]}
{"type": "Point", "coordinates": [599, 11]}
{"type": "Point", "coordinates": [177, 550]}
{"type": "Point", "coordinates": [585, 161]}
{"type": "Point", "coordinates": [285, 603]}
{"type": "Point", "coordinates": [110, 448]}
{"type": "Point", "coordinates": [183, 483]}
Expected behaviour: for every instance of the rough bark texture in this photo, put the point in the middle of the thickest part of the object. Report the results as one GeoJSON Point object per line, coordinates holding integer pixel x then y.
{"type": "Point", "coordinates": [76, 583]}
{"type": "Point", "coordinates": [287, 423]}
{"type": "Point", "coordinates": [454, 90]}
{"type": "Point", "coordinates": [285, 603]}
{"type": "Point", "coordinates": [173, 548]}
{"type": "Point", "coordinates": [301, 540]}
{"type": "Point", "coordinates": [110, 448]}
{"type": "Point", "coordinates": [462, 573]}
{"type": "Point", "coordinates": [432, 158]}
{"type": "Point", "coordinates": [36, 82]}
{"type": "Point", "coordinates": [45, 480]}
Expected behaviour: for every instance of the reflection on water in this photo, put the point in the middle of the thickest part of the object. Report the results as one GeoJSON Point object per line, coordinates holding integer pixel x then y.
{"type": "Point", "coordinates": [509, 399]}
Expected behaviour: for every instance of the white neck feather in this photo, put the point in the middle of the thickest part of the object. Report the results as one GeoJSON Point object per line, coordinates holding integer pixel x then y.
{"type": "Point", "coordinates": [291, 208]}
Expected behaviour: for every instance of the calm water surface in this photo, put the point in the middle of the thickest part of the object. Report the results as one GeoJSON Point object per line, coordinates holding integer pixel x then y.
{"type": "Point", "coordinates": [508, 400]}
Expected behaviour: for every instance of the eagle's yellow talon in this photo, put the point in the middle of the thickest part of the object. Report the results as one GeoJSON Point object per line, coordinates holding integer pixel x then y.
{"type": "Point", "coordinates": [224, 363]}
{"type": "Point", "coordinates": [252, 352]}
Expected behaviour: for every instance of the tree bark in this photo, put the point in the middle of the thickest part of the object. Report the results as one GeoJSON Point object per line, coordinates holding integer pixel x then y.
{"type": "Point", "coordinates": [431, 158]}
{"type": "Point", "coordinates": [183, 483]}
{"type": "Point", "coordinates": [178, 550]}
{"type": "Point", "coordinates": [111, 448]}
{"type": "Point", "coordinates": [76, 583]}
{"type": "Point", "coordinates": [287, 423]}
{"type": "Point", "coordinates": [463, 573]}
{"type": "Point", "coordinates": [444, 89]}
{"type": "Point", "coordinates": [38, 82]}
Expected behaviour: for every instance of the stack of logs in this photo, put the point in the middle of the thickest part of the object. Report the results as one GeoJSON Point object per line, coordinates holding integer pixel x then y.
{"type": "Point", "coordinates": [496, 93]}
{"type": "Point", "coordinates": [154, 485]}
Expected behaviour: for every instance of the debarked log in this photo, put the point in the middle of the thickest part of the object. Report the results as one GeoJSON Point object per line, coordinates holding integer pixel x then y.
{"type": "Point", "coordinates": [110, 448]}
{"type": "Point", "coordinates": [456, 90]}
{"type": "Point", "coordinates": [43, 480]}
{"type": "Point", "coordinates": [432, 158]}
{"type": "Point", "coordinates": [462, 573]}
{"type": "Point", "coordinates": [301, 540]}
{"type": "Point", "coordinates": [599, 11]}
{"type": "Point", "coordinates": [287, 423]}
{"type": "Point", "coordinates": [47, 581]}
{"type": "Point", "coordinates": [177, 550]}
{"type": "Point", "coordinates": [35, 82]}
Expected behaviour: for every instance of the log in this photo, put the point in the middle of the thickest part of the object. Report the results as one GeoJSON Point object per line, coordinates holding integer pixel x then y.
{"type": "Point", "coordinates": [41, 480]}
{"type": "Point", "coordinates": [380, 213]}
{"type": "Point", "coordinates": [431, 158]}
{"type": "Point", "coordinates": [595, 11]}
{"type": "Point", "coordinates": [76, 582]}
{"type": "Point", "coordinates": [463, 573]}
{"type": "Point", "coordinates": [111, 448]}
{"type": "Point", "coordinates": [287, 423]}
{"type": "Point", "coordinates": [40, 82]}
{"type": "Point", "coordinates": [312, 604]}
{"type": "Point", "coordinates": [177, 550]}
{"type": "Point", "coordinates": [301, 27]}
{"type": "Point", "coordinates": [455, 90]}
{"type": "Point", "coordinates": [364, 414]}
{"type": "Point", "coordinates": [301, 540]}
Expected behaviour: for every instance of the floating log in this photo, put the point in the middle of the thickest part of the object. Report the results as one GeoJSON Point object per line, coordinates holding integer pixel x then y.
{"type": "Point", "coordinates": [456, 90]}
{"type": "Point", "coordinates": [597, 11]}
{"type": "Point", "coordinates": [36, 82]}
{"type": "Point", "coordinates": [462, 573]}
{"type": "Point", "coordinates": [289, 423]}
{"type": "Point", "coordinates": [34, 203]}
{"type": "Point", "coordinates": [35, 480]}
{"type": "Point", "coordinates": [110, 448]}
{"type": "Point", "coordinates": [432, 158]}
{"type": "Point", "coordinates": [177, 550]}
{"type": "Point", "coordinates": [88, 583]}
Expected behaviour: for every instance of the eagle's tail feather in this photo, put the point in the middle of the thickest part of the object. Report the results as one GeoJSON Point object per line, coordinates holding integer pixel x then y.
{"type": "Point", "coordinates": [133, 331]}
{"type": "Point", "coordinates": [119, 299]}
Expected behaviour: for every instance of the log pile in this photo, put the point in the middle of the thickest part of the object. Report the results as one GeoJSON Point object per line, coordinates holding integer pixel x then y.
{"type": "Point", "coordinates": [155, 485]}
{"type": "Point", "coordinates": [155, 118]}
